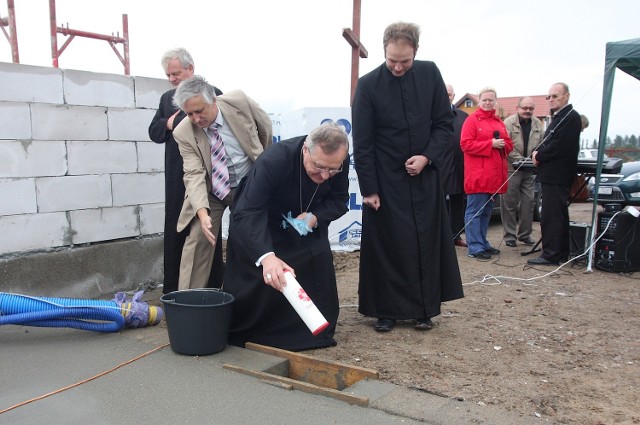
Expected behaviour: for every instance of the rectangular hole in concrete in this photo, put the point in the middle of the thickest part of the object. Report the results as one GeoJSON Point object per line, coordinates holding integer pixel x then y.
{"type": "Point", "coordinates": [312, 375]}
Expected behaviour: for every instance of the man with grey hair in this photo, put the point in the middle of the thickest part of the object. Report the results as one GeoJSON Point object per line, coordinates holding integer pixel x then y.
{"type": "Point", "coordinates": [517, 203]}
{"type": "Point", "coordinates": [557, 161]}
{"type": "Point", "coordinates": [402, 131]}
{"type": "Point", "coordinates": [219, 143]}
{"type": "Point", "coordinates": [178, 66]}
{"type": "Point", "coordinates": [280, 221]}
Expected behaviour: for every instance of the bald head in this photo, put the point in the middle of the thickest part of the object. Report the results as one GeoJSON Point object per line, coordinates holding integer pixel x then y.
{"type": "Point", "coordinates": [451, 93]}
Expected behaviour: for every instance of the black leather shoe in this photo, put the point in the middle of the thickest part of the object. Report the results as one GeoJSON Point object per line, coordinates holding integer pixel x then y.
{"type": "Point", "coordinates": [493, 251]}
{"type": "Point", "coordinates": [384, 325]}
{"type": "Point", "coordinates": [540, 261]}
{"type": "Point", "coordinates": [424, 324]}
{"type": "Point", "coordinates": [460, 242]}
{"type": "Point", "coordinates": [510, 243]}
{"type": "Point", "coordinates": [527, 241]}
{"type": "Point", "coordinates": [482, 255]}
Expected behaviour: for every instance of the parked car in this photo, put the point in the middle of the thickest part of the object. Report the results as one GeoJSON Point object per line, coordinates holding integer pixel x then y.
{"type": "Point", "coordinates": [623, 188]}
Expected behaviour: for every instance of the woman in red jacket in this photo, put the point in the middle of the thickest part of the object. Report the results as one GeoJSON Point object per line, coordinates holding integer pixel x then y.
{"type": "Point", "coordinates": [486, 144]}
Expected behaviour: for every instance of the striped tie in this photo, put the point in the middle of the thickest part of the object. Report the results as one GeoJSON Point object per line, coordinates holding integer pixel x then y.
{"type": "Point", "coordinates": [219, 172]}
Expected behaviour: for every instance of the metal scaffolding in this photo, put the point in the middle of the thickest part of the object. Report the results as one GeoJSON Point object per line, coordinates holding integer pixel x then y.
{"type": "Point", "coordinates": [113, 40]}
{"type": "Point", "coordinates": [12, 35]}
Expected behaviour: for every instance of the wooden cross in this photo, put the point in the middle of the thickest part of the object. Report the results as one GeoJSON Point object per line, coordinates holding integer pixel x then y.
{"type": "Point", "coordinates": [357, 49]}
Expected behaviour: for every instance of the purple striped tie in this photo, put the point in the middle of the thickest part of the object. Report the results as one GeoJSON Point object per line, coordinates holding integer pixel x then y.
{"type": "Point", "coordinates": [219, 172]}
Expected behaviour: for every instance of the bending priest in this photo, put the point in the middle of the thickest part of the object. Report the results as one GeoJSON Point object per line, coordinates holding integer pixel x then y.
{"type": "Point", "coordinates": [279, 221]}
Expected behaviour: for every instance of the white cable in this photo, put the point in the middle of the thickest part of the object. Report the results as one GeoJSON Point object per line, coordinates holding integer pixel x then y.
{"type": "Point", "coordinates": [497, 279]}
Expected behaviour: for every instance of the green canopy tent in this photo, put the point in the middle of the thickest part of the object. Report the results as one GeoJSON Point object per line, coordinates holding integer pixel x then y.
{"type": "Point", "coordinates": [624, 55]}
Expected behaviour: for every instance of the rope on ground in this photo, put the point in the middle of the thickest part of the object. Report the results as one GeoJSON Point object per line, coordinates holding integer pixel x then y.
{"type": "Point", "coordinates": [68, 387]}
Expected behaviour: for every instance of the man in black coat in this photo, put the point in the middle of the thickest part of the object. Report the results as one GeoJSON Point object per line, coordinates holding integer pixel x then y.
{"type": "Point", "coordinates": [557, 160]}
{"type": "Point", "coordinates": [454, 182]}
{"type": "Point", "coordinates": [178, 66]}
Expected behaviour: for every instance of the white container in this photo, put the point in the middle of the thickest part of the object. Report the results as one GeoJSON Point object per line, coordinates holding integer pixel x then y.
{"type": "Point", "coordinates": [303, 305]}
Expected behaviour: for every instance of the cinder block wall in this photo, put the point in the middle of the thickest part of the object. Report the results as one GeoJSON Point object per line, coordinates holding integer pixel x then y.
{"type": "Point", "coordinates": [78, 170]}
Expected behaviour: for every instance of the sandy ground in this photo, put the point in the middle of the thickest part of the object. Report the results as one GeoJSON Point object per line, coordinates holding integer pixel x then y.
{"type": "Point", "coordinates": [564, 346]}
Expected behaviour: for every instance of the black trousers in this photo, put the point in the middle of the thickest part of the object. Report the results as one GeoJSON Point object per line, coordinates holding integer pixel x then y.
{"type": "Point", "coordinates": [554, 222]}
{"type": "Point", "coordinates": [455, 207]}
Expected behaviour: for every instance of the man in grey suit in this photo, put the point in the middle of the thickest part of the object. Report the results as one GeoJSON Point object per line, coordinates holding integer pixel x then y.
{"type": "Point", "coordinates": [223, 137]}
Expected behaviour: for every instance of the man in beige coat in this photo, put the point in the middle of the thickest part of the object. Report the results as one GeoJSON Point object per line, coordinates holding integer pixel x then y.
{"type": "Point", "coordinates": [526, 133]}
{"type": "Point", "coordinates": [245, 130]}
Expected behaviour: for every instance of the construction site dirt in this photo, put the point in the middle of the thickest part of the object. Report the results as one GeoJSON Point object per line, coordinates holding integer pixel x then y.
{"type": "Point", "coordinates": [560, 344]}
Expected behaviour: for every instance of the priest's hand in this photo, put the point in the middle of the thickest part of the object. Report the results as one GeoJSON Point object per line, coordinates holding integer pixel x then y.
{"type": "Point", "coordinates": [372, 201]}
{"type": "Point", "coordinates": [416, 164]}
{"type": "Point", "coordinates": [171, 119]}
{"type": "Point", "coordinates": [273, 269]}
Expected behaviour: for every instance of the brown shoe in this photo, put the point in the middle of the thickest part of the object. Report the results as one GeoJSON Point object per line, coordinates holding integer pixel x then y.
{"type": "Point", "coordinates": [460, 242]}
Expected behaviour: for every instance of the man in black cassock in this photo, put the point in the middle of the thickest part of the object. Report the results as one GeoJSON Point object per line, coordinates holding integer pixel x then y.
{"type": "Point", "coordinates": [302, 177]}
{"type": "Point", "coordinates": [402, 130]}
{"type": "Point", "coordinates": [178, 66]}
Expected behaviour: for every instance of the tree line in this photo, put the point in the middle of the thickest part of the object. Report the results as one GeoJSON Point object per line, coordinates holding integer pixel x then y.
{"type": "Point", "coordinates": [625, 147]}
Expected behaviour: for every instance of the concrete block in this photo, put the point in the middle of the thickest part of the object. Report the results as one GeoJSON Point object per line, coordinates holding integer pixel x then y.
{"type": "Point", "coordinates": [151, 219]}
{"type": "Point", "coordinates": [139, 188]}
{"type": "Point", "coordinates": [85, 272]}
{"type": "Point", "coordinates": [29, 232]}
{"type": "Point", "coordinates": [73, 192]}
{"type": "Point", "coordinates": [15, 120]}
{"type": "Point", "coordinates": [149, 90]}
{"type": "Point", "coordinates": [104, 224]}
{"type": "Point", "coordinates": [26, 158]}
{"type": "Point", "coordinates": [101, 157]}
{"type": "Point", "coordinates": [129, 124]}
{"type": "Point", "coordinates": [25, 83]}
{"type": "Point", "coordinates": [96, 89]}
{"type": "Point", "coordinates": [17, 196]}
{"type": "Point", "coordinates": [150, 157]}
{"type": "Point", "coordinates": [64, 122]}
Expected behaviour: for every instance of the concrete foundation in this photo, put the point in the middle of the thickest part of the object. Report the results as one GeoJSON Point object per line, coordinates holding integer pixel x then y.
{"type": "Point", "coordinates": [86, 272]}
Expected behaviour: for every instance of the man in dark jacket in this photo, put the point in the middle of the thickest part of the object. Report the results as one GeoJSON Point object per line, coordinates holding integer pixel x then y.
{"type": "Point", "coordinates": [454, 183]}
{"type": "Point", "coordinates": [402, 129]}
{"type": "Point", "coordinates": [178, 66]}
{"type": "Point", "coordinates": [557, 160]}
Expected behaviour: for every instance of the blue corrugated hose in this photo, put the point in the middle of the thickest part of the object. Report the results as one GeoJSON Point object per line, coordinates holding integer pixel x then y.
{"type": "Point", "coordinates": [90, 315]}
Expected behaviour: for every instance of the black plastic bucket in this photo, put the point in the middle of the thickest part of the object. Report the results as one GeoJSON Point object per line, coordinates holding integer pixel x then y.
{"type": "Point", "coordinates": [197, 320]}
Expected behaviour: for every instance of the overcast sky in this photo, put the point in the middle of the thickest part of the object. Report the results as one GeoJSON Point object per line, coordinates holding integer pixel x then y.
{"type": "Point", "coordinates": [290, 54]}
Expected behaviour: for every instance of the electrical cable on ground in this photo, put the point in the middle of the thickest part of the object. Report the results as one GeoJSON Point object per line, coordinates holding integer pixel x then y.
{"type": "Point", "coordinates": [83, 381]}
{"type": "Point", "coordinates": [497, 279]}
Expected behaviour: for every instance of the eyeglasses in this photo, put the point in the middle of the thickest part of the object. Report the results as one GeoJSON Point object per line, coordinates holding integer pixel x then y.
{"type": "Point", "coordinates": [526, 108]}
{"type": "Point", "coordinates": [330, 171]}
{"type": "Point", "coordinates": [554, 96]}
{"type": "Point", "coordinates": [322, 170]}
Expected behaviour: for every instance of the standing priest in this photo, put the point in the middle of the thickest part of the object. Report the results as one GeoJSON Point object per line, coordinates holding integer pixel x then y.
{"type": "Point", "coordinates": [402, 130]}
